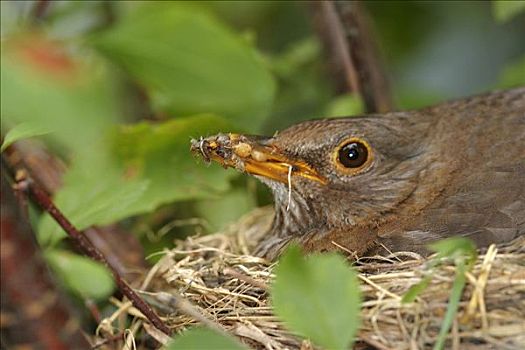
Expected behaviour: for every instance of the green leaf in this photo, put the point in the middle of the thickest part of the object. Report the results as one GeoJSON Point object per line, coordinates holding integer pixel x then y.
{"type": "Point", "coordinates": [191, 63]}
{"type": "Point", "coordinates": [91, 196]}
{"type": "Point", "coordinates": [415, 290]}
{"type": "Point", "coordinates": [293, 61]}
{"type": "Point", "coordinates": [504, 10]}
{"type": "Point", "coordinates": [83, 276]}
{"type": "Point", "coordinates": [513, 75]}
{"type": "Point", "coordinates": [455, 247]}
{"type": "Point", "coordinates": [151, 166]}
{"type": "Point", "coordinates": [41, 85]}
{"type": "Point", "coordinates": [159, 153]}
{"type": "Point", "coordinates": [202, 338]}
{"type": "Point", "coordinates": [23, 131]}
{"type": "Point", "coordinates": [464, 253]}
{"type": "Point", "coordinates": [221, 211]}
{"type": "Point", "coordinates": [345, 105]}
{"type": "Point", "coordinates": [318, 297]}
{"type": "Point", "coordinates": [453, 304]}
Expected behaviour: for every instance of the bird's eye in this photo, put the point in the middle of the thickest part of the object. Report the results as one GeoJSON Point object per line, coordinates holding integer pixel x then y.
{"type": "Point", "coordinates": [352, 155]}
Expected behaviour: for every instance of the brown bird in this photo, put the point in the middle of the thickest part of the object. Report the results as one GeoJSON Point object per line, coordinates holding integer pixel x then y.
{"type": "Point", "coordinates": [390, 182]}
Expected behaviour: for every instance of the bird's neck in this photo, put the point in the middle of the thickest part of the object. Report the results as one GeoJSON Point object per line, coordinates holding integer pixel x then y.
{"type": "Point", "coordinates": [294, 214]}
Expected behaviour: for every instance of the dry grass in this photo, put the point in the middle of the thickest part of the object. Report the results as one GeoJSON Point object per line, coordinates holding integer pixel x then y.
{"type": "Point", "coordinates": [214, 280]}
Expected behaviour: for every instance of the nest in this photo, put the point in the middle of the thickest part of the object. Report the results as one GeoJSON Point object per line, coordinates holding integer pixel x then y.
{"type": "Point", "coordinates": [213, 280]}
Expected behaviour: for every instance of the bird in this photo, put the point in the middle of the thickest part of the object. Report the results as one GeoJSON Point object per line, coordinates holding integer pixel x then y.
{"type": "Point", "coordinates": [380, 183]}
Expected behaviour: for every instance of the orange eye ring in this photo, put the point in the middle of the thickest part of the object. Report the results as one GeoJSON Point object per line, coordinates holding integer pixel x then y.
{"type": "Point", "coordinates": [352, 156]}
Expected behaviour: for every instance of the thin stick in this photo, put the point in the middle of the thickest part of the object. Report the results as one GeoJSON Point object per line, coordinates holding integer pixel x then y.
{"type": "Point", "coordinates": [236, 274]}
{"type": "Point", "coordinates": [333, 37]}
{"type": "Point", "coordinates": [374, 84]}
{"type": "Point", "coordinates": [44, 201]}
{"type": "Point", "coordinates": [177, 301]}
{"type": "Point", "coordinates": [347, 36]}
{"type": "Point", "coordinates": [39, 9]}
{"type": "Point", "coordinates": [378, 287]}
{"type": "Point", "coordinates": [290, 168]}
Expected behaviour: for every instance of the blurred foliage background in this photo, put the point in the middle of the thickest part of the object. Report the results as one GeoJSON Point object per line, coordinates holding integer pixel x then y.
{"type": "Point", "coordinates": [118, 88]}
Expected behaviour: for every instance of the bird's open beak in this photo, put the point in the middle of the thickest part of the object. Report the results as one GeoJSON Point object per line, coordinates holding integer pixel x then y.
{"type": "Point", "coordinates": [254, 155]}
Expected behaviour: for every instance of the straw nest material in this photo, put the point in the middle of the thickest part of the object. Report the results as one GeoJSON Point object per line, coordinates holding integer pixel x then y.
{"type": "Point", "coordinates": [213, 280]}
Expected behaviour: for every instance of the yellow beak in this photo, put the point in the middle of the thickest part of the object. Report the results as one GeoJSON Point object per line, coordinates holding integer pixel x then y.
{"type": "Point", "coordinates": [253, 155]}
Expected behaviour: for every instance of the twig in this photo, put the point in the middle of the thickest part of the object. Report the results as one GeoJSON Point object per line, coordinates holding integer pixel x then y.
{"type": "Point", "coordinates": [378, 287]}
{"type": "Point", "coordinates": [39, 9]}
{"type": "Point", "coordinates": [332, 34]}
{"type": "Point", "coordinates": [121, 249]}
{"type": "Point", "coordinates": [42, 199]}
{"type": "Point", "coordinates": [175, 299]}
{"type": "Point", "coordinates": [290, 169]}
{"type": "Point", "coordinates": [346, 34]}
{"type": "Point", "coordinates": [112, 339]}
{"type": "Point", "coordinates": [34, 311]}
{"type": "Point", "coordinates": [252, 281]}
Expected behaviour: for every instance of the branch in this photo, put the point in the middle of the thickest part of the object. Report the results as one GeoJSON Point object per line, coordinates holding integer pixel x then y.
{"type": "Point", "coordinates": [39, 9]}
{"type": "Point", "coordinates": [121, 249]}
{"type": "Point", "coordinates": [25, 184]}
{"type": "Point", "coordinates": [346, 34]}
{"type": "Point", "coordinates": [34, 311]}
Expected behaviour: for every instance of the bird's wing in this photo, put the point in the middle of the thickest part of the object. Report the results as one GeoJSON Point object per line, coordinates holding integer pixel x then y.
{"type": "Point", "coordinates": [488, 207]}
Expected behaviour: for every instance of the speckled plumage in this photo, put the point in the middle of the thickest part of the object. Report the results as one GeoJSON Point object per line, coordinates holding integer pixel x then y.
{"type": "Point", "coordinates": [457, 168]}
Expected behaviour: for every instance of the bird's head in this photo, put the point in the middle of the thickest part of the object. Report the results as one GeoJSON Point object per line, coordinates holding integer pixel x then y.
{"type": "Point", "coordinates": [329, 173]}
